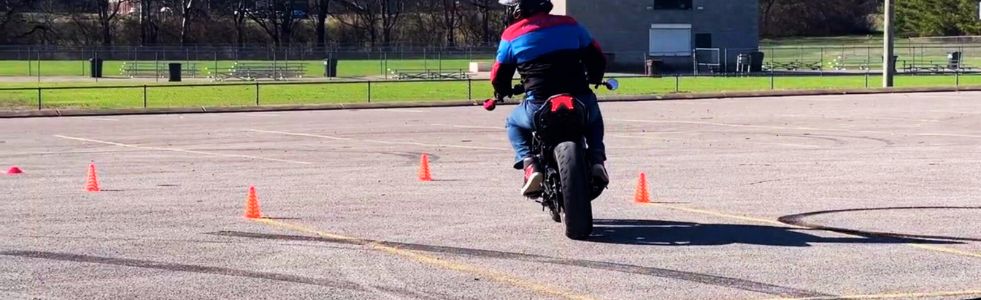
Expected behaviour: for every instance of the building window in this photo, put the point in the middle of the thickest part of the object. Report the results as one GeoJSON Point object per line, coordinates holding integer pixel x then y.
{"type": "Point", "coordinates": [672, 4]}
{"type": "Point", "coordinates": [670, 40]}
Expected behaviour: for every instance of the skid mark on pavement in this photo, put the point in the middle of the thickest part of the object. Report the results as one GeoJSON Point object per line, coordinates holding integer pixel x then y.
{"type": "Point", "coordinates": [431, 260]}
{"type": "Point", "coordinates": [378, 141]}
{"type": "Point", "coordinates": [797, 220]}
{"type": "Point", "coordinates": [149, 264]}
{"type": "Point", "coordinates": [766, 221]}
{"type": "Point", "coordinates": [720, 281]}
{"type": "Point", "coordinates": [182, 150]}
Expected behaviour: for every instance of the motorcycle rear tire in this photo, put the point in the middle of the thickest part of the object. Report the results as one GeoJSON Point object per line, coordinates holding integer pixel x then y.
{"type": "Point", "coordinates": [575, 190]}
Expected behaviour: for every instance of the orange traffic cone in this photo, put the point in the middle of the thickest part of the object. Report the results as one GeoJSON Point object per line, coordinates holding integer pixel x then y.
{"type": "Point", "coordinates": [92, 181]}
{"type": "Point", "coordinates": [252, 205]}
{"type": "Point", "coordinates": [642, 196]}
{"type": "Point", "coordinates": [424, 174]}
{"type": "Point", "coordinates": [14, 171]}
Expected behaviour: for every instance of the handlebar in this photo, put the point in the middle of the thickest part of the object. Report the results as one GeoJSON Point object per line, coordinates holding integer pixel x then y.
{"type": "Point", "coordinates": [491, 104]}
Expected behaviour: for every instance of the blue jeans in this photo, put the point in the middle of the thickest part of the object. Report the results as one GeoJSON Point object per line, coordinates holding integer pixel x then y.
{"type": "Point", "coordinates": [520, 124]}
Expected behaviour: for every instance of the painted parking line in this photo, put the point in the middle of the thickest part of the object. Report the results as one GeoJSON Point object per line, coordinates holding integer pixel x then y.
{"type": "Point", "coordinates": [204, 153]}
{"type": "Point", "coordinates": [795, 128]}
{"type": "Point", "coordinates": [895, 295]}
{"type": "Point", "coordinates": [103, 119]}
{"type": "Point", "coordinates": [774, 222]}
{"type": "Point", "coordinates": [337, 138]}
{"type": "Point", "coordinates": [434, 261]}
{"type": "Point", "coordinates": [609, 134]}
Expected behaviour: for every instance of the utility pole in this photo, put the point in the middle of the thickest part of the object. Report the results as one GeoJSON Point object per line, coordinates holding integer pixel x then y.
{"type": "Point", "coordinates": [889, 65]}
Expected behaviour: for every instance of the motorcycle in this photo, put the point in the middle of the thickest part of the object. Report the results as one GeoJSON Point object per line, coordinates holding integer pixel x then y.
{"type": "Point", "coordinates": [559, 147]}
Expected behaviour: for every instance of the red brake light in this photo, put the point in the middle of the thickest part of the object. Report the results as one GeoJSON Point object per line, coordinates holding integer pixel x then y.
{"type": "Point", "coordinates": [558, 102]}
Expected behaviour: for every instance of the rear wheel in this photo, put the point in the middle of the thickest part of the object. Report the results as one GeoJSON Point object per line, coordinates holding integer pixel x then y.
{"type": "Point", "coordinates": [575, 191]}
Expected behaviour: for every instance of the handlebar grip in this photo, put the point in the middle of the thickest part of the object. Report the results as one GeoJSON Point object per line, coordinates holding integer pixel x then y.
{"type": "Point", "coordinates": [490, 104]}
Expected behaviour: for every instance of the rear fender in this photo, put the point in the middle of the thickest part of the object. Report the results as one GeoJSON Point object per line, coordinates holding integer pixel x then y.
{"type": "Point", "coordinates": [562, 118]}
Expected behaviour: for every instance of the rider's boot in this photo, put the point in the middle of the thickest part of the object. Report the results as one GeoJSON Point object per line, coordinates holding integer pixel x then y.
{"type": "Point", "coordinates": [600, 178]}
{"type": "Point", "coordinates": [533, 179]}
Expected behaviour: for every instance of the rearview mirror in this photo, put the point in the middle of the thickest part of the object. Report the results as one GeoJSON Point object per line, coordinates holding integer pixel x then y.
{"type": "Point", "coordinates": [612, 84]}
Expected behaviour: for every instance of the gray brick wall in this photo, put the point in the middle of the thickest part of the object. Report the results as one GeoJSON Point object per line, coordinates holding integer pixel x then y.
{"type": "Point", "coordinates": [622, 26]}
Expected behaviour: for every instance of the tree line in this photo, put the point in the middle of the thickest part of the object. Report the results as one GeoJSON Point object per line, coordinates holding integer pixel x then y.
{"type": "Point", "coordinates": [938, 17]}
{"type": "Point", "coordinates": [848, 17]}
{"type": "Point", "coordinates": [320, 23]}
{"type": "Point", "coordinates": [380, 23]}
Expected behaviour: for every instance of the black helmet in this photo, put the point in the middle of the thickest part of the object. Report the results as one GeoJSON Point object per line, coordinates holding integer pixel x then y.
{"type": "Point", "coordinates": [520, 9]}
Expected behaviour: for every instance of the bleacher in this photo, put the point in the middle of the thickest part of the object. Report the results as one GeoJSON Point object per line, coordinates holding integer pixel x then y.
{"type": "Point", "coordinates": [259, 70]}
{"type": "Point", "coordinates": [159, 69]}
{"type": "Point", "coordinates": [429, 74]}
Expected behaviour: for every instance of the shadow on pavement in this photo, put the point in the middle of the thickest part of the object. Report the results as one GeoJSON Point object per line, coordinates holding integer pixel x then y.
{"type": "Point", "coordinates": [671, 233]}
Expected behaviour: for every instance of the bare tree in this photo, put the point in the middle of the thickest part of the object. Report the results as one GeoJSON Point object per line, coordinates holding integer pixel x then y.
{"type": "Point", "coordinates": [108, 11]}
{"type": "Point", "coordinates": [391, 10]}
{"type": "Point", "coordinates": [322, 10]}
{"type": "Point", "coordinates": [276, 18]}
{"type": "Point", "coordinates": [186, 12]}
{"type": "Point", "coordinates": [451, 14]}
{"type": "Point", "coordinates": [240, 15]}
{"type": "Point", "coordinates": [11, 9]}
{"type": "Point", "coordinates": [149, 27]}
{"type": "Point", "coordinates": [484, 8]}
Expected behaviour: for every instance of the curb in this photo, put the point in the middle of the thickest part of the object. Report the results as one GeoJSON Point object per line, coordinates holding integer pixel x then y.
{"type": "Point", "coordinates": [633, 98]}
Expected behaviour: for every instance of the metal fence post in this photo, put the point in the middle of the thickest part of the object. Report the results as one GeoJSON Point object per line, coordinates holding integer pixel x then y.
{"type": "Point", "coordinates": [30, 63]}
{"type": "Point", "coordinates": [822, 61]}
{"type": "Point", "coordinates": [469, 89]}
{"type": "Point", "coordinates": [772, 84]}
{"type": "Point", "coordinates": [866, 77]}
{"type": "Point", "coordinates": [957, 77]}
{"type": "Point", "coordinates": [39, 66]}
{"type": "Point", "coordinates": [256, 93]}
{"type": "Point", "coordinates": [38, 98]}
{"type": "Point", "coordinates": [725, 64]}
{"type": "Point", "coordinates": [144, 97]}
{"type": "Point", "coordinates": [677, 83]}
{"type": "Point", "coordinates": [369, 91]}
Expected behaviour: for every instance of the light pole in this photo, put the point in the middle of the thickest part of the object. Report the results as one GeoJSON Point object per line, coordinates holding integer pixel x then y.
{"type": "Point", "coordinates": [889, 65]}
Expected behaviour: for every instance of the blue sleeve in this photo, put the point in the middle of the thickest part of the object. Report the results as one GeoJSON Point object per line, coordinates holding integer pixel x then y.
{"type": "Point", "coordinates": [504, 55]}
{"type": "Point", "coordinates": [585, 39]}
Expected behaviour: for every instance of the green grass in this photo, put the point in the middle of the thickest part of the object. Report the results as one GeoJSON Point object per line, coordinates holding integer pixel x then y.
{"type": "Point", "coordinates": [312, 68]}
{"type": "Point", "coordinates": [852, 40]}
{"type": "Point", "coordinates": [862, 50]}
{"type": "Point", "coordinates": [177, 95]}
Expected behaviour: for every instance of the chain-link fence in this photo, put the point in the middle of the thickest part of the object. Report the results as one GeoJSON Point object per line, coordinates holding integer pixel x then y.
{"type": "Point", "coordinates": [210, 62]}
{"type": "Point", "coordinates": [216, 63]}
{"type": "Point", "coordinates": [102, 96]}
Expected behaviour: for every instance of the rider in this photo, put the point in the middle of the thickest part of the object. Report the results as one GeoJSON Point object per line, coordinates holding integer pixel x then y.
{"type": "Point", "coordinates": [554, 55]}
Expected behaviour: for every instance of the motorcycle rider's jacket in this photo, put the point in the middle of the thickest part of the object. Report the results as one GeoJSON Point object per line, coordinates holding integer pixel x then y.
{"type": "Point", "coordinates": [553, 54]}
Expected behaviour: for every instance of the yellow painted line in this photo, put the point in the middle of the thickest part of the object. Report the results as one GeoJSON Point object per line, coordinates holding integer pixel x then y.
{"type": "Point", "coordinates": [895, 295]}
{"type": "Point", "coordinates": [435, 261]}
{"type": "Point", "coordinates": [773, 222]}
{"type": "Point", "coordinates": [336, 138]}
{"type": "Point", "coordinates": [182, 150]}
{"type": "Point", "coordinates": [945, 250]}
{"type": "Point", "coordinates": [724, 215]}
